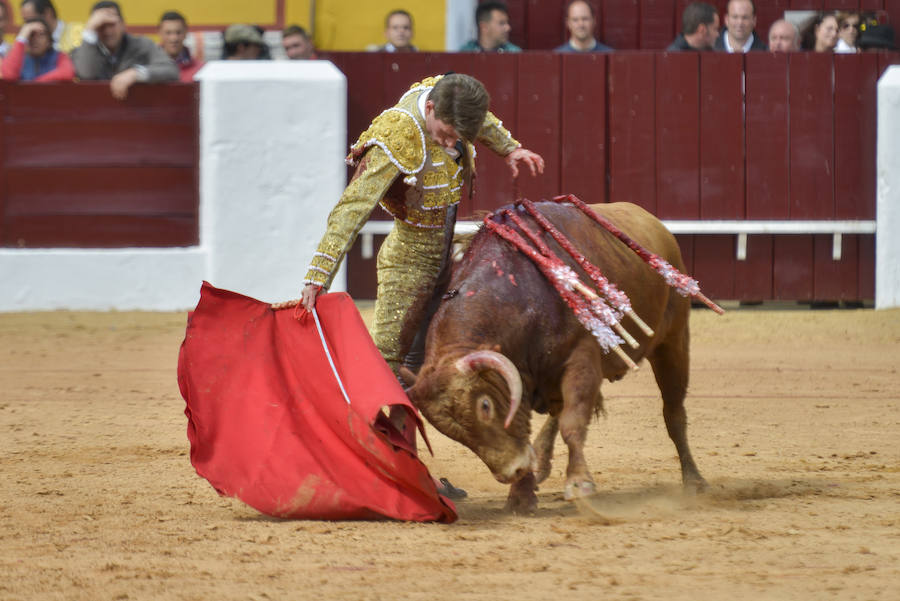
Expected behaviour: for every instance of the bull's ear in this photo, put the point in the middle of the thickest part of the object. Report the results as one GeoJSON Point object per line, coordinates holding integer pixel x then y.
{"type": "Point", "coordinates": [408, 376]}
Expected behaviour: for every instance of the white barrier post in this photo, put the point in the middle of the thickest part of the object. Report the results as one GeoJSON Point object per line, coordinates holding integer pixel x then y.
{"type": "Point", "coordinates": [887, 238]}
{"type": "Point", "coordinates": [272, 143]}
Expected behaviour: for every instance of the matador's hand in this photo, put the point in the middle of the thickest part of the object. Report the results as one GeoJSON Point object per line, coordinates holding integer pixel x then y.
{"type": "Point", "coordinates": [309, 295]}
{"type": "Point", "coordinates": [532, 159]}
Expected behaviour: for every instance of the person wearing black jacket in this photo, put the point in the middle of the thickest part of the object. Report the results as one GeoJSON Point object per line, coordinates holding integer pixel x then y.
{"type": "Point", "coordinates": [740, 34]}
{"type": "Point", "coordinates": [699, 28]}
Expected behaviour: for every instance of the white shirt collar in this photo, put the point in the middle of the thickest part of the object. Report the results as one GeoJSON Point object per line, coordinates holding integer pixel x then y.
{"type": "Point", "coordinates": [746, 48]}
{"type": "Point", "coordinates": [423, 98]}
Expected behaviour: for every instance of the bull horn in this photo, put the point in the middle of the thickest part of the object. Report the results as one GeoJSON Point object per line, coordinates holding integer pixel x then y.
{"type": "Point", "coordinates": [500, 363]}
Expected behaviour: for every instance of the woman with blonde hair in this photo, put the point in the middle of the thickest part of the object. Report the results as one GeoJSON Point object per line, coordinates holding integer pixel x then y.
{"type": "Point", "coordinates": [848, 32]}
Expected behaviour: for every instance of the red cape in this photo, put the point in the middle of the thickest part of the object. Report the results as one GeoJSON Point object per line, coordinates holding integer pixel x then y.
{"type": "Point", "coordinates": [269, 424]}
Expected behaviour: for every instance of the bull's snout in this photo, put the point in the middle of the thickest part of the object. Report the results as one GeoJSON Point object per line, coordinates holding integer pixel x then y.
{"type": "Point", "coordinates": [518, 468]}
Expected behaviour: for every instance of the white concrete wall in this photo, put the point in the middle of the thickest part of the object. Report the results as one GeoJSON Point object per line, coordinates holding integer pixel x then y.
{"type": "Point", "coordinates": [271, 168]}
{"type": "Point", "coordinates": [153, 279]}
{"type": "Point", "coordinates": [272, 147]}
{"type": "Point", "coordinates": [887, 237]}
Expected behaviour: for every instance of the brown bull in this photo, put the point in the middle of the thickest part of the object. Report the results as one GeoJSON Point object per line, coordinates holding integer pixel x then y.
{"type": "Point", "coordinates": [503, 344]}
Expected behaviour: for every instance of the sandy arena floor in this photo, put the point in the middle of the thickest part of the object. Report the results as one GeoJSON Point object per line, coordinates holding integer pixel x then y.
{"type": "Point", "coordinates": [795, 421]}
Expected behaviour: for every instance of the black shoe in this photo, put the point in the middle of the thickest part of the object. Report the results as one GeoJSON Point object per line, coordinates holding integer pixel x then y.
{"type": "Point", "coordinates": [450, 491]}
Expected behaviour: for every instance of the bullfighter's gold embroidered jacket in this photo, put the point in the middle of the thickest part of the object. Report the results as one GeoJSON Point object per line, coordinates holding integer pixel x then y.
{"type": "Point", "coordinates": [397, 144]}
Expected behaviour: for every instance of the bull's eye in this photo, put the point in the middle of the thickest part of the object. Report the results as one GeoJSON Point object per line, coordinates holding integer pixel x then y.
{"type": "Point", "coordinates": [485, 409]}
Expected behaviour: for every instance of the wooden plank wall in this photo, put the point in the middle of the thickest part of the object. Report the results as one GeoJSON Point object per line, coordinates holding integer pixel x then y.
{"type": "Point", "coordinates": [687, 136]}
{"type": "Point", "coordinates": [80, 169]}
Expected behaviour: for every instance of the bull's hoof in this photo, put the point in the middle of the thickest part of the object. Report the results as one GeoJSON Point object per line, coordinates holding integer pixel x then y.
{"type": "Point", "coordinates": [694, 486]}
{"type": "Point", "coordinates": [521, 504]}
{"type": "Point", "coordinates": [579, 489]}
{"type": "Point", "coordinates": [522, 499]}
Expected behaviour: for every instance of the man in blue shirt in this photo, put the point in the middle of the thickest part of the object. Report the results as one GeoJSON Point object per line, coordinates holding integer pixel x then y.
{"type": "Point", "coordinates": [492, 20]}
{"type": "Point", "coordinates": [581, 23]}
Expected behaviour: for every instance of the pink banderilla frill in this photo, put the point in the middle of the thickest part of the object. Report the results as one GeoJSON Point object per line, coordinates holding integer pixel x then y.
{"type": "Point", "coordinates": [683, 284]}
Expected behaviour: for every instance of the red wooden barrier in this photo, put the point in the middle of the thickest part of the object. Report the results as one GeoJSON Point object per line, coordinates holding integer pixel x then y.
{"type": "Point", "coordinates": [836, 280]}
{"type": "Point", "coordinates": [753, 276]}
{"type": "Point", "coordinates": [539, 98]}
{"type": "Point", "coordinates": [812, 136]}
{"type": "Point", "coordinates": [866, 267]}
{"type": "Point", "coordinates": [721, 136]}
{"type": "Point", "coordinates": [583, 152]}
{"type": "Point", "coordinates": [714, 265]}
{"type": "Point", "coordinates": [674, 133]}
{"type": "Point", "coordinates": [793, 268]}
{"type": "Point", "coordinates": [632, 106]}
{"type": "Point", "coordinates": [678, 135]}
{"type": "Point", "coordinates": [494, 183]}
{"type": "Point", "coordinates": [621, 23]}
{"type": "Point", "coordinates": [854, 125]}
{"type": "Point", "coordinates": [768, 141]}
{"type": "Point", "coordinates": [767, 12]}
{"type": "Point", "coordinates": [873, 5]}
{"type": "Point", "coordinates": [544, 25]}
{"type": "Point", "coordinates": [80, 169]}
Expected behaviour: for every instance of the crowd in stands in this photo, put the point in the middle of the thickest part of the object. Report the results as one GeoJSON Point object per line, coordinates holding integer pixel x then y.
{"type": "Point", "coordinates": [47, 48]}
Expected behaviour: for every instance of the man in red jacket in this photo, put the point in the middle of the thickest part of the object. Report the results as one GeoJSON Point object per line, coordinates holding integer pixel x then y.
{"type": "Point", "coordinates": [173, 30]}
{"type": "Point", "coordinates": [33, 58]}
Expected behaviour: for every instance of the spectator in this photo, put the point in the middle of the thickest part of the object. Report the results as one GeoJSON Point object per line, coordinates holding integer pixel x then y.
{"type": "Point", "coordinates": [66, 36]}
{"type": "Point", "coordinates": [4, 21]}
{"type": "Point", "coordinates": [877, 37]}
{"type": "Point", "coordinates": [33, 57]}
{"type": "Point", "coordinates": [173, 30]}
{"type": "Point", "coordinates": [740, 34]}
{"type": "Point", "coordinates": [820, 33]}
{"type": "Point", "coordinates": [266, 53]}
{"type": "Point", "coordinates": [108, 52]}
{"type": "Point", "coordinates": [784, 37]}
{"type": "Point", "coordinates": [296, 43]}
{"type": "Point", "coordinates": [581, 22]}
{"type": "Point", "coordinates": [492, 20]}
{"type": "Point", "coordinates": [243, 42]}
{"type": "Point", "coordinates": [398, 31]}
{"type": "Point", "coordinates": [848, 32]}
{"type": "Point", "coordinates": [699, 28]}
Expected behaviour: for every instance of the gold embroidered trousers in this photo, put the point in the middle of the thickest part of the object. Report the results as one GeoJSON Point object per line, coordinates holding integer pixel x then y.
{"type": "Point", "coordinates": [408, 265]}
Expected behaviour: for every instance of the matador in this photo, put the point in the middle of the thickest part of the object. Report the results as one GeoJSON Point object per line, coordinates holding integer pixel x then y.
{"type": "Point", "coordinates": [413, 159]}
